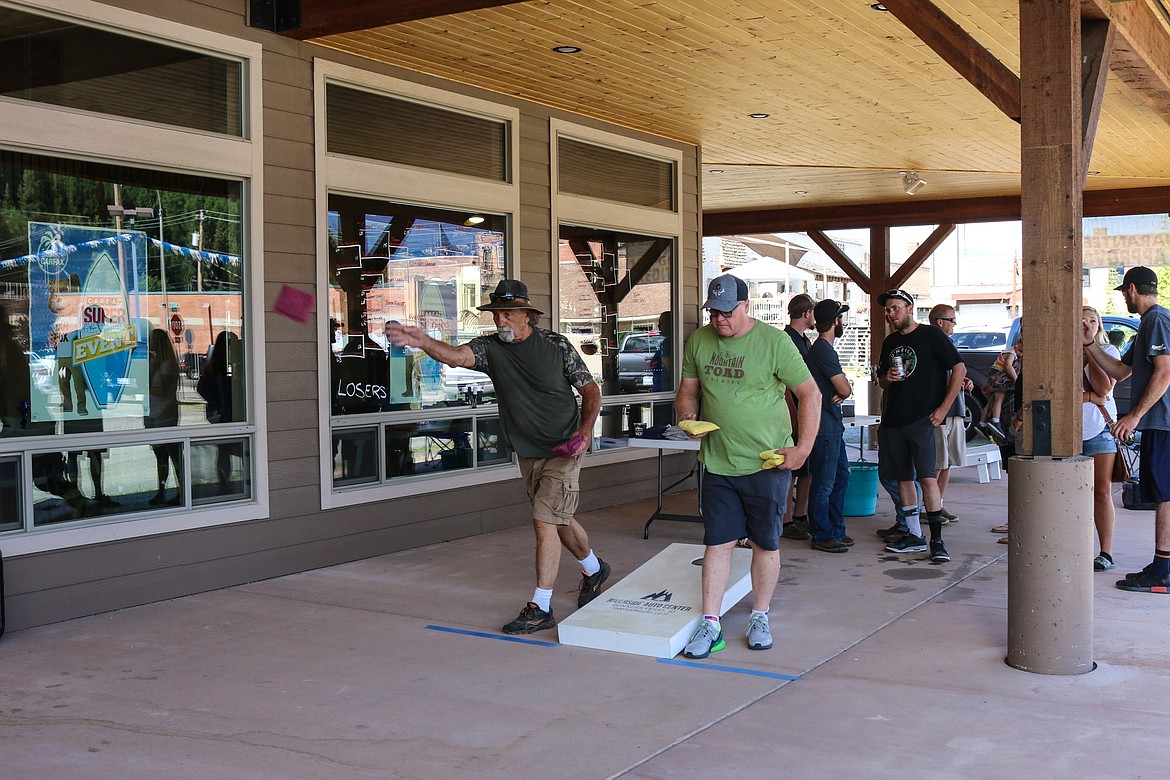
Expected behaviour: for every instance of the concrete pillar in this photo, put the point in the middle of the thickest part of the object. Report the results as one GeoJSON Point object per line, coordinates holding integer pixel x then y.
{"type": "Point", "coordinates": [1050, 565]}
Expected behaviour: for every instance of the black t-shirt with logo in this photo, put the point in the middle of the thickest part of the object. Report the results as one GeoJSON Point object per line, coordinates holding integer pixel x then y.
{"type": "Point", "coordinates": [927, 355]}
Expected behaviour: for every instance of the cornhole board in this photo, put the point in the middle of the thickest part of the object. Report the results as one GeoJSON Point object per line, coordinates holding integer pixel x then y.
{"type": "Point", "coordinates": [656, 609]}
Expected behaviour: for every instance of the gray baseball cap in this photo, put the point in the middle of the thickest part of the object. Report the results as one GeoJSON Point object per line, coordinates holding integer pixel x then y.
{"type": "Point", "coordinates": [725, 292]}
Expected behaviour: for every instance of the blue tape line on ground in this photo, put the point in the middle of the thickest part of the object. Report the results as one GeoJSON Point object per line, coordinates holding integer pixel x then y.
{"type": "Point", "coordinates": [537, 642]}
{"type": "Point", "coordinates": [732, 669]}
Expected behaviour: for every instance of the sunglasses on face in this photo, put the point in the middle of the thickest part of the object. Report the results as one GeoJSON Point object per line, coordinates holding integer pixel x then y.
{"type": "Point", "coordinates": [723, 315]}
{"type": "Point", "coordinates": [505, 297]}
{"type": "Point", "coordinates": [951, 320]}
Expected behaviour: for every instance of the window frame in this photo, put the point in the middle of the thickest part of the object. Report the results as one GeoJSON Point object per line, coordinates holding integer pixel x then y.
{"type": "Point", "coordinates": [408, 185]}
{"type": "Point", "coordinates": [581, 211]}
{"type": "Point", "coordinates": [39, 129]}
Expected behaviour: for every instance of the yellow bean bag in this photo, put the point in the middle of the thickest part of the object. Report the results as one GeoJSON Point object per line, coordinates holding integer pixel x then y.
{"type": "Point", "coordinates": [695, 427]}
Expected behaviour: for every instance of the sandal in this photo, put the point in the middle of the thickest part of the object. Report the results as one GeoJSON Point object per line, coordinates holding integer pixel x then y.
{"type": "Point", "coordinates": [1000, 529]}
{"type": "Point", "coordinates": [1002, 540]}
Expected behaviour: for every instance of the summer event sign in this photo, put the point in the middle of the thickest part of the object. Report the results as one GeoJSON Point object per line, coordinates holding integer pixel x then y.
{"type": "Point", "coordinates": [87, 288]}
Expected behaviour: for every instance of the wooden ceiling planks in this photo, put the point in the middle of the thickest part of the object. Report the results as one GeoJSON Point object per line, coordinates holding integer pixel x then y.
{"type": "Point", "coordinates": [854, 96]}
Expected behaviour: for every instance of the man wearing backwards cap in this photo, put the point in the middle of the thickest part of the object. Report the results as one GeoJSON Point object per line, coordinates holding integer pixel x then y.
{"type": "Point", "coordinates": [918, 398]}
{"type": "Point", "coordinates": [739, 369]}
{"type": "Point", "coordinates": [535, 372]}
{"type": "Point", "coordinates": [1149, 362]}
{"type": "Point", "coordinates": [829, 463]}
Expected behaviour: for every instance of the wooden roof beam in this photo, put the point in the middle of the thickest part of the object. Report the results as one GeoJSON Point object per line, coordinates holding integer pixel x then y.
{"type": "Point", "coordinates": [1098, 203]}
{"type": "Point", "coordinates": [958, 49]}
{"type": "Point", "coordinates": [1141, 50]}
{"type": "Point", "coordinates": [318, 18]}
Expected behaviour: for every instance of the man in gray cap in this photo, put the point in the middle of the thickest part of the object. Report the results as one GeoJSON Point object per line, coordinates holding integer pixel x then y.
{"type": "Point", "coordinates": [535, 372]}
{"type": "Point", "coordinates": [738, 369]}
{"type": "Point", "coordinates": [1148, 360]}
{"type": "Point", "coordinates": [829, 463]}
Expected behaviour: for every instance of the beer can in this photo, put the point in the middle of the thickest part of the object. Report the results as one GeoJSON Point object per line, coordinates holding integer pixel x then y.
{"type": "Point", "coordinates": [896, 362]}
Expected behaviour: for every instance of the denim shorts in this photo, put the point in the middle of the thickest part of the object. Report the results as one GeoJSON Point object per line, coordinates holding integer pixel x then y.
{"type": "Point", "coordinates": [1100, 444]}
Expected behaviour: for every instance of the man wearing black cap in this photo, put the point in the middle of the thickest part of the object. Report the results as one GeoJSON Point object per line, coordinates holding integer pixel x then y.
{"type": "Point", "coordinates": [829, 463]}
{"type": "Point", "coordinates": [1149, 362]}
{"type": "Point", "coordinates": [739, 369]}
{"type": "Point", "coordinates": [913, 370]}
{"type": "Point", "coordinates": [535, 372]}
{"type": "Point", "coordinates": [800, 320]}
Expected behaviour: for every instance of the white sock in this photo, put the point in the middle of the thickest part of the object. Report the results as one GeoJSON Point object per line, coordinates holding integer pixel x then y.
{"type": "Point", "coordinates": [589, 564]}
{"type": "Point", "coordinates": [542, 598]}
{"type": "Point", "coordinates": [756, 612]}
{"type": "Point", "coordinates": [913, 525]}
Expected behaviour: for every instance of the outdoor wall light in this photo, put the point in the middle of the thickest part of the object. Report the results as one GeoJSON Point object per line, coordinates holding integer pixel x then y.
{"type": "Point", "coordinates": [566, 49]}
{"type": "Point", "coordinates": [474, 219]}
{"type": "Point", "coordinates": [912, 182]}
{"type": "Point", "coordinates": [758, 116]}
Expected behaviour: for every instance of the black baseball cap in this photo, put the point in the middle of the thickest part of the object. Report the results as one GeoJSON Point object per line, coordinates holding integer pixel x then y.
{"type": "Point", "coordinates": [828, 310]}
{"type": "Point", "coordinates": [897, 294]}
{"type": "Point", "coordinates": [1138, 275]}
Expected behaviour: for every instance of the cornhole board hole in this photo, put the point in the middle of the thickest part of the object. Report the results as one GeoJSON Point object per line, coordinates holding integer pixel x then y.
{"type": "Point", "coordinates": [656, 609]}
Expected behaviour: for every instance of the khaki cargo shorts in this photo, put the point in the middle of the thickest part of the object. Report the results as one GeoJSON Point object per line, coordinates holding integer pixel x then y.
{"type": "Point", "coordinates": [950, 443]}
{"type": "Point", "coordinates": [554, 487]}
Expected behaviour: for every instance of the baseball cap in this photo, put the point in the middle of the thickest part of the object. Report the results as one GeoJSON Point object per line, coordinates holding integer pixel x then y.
{"type": "Point", "coordinates": [1138, 275]}
{"type": "Point", "coordinates": [828, 310]}
{"type": "Point", "coordinates": [798, 305]}
{"type": "Point", "coordinates": [897, 294]}
{"type": "Point", "coordinates": [725, 292]}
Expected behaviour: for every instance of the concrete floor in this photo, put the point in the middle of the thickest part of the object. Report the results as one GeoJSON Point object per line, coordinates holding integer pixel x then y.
{"type": "Point", "coordinates": [346, 672]}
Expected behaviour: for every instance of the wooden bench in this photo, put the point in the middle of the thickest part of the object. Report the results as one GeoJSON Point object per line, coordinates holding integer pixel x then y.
{"type": "Point", "coordinates": [987, 459]}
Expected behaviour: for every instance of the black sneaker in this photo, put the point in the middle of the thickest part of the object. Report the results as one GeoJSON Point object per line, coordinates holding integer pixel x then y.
{"type": "Point", "coordinates": [793, 531]}
{"type": "Point", "coordinates": [847, 540]}
{"type": "Point", "coordinates": [1145, 582]}
{"type": "Point", "coordinates": [831, 546]}
{"type": "Point", "coordinates": [938, 551]}
{"type": "Point", "coordinates": [907, 544]}
{"type": "Point", "coordinates": [591, 586]}
{"type": "Point", "coordinates": [532, 618]}
{"type": "Point", "coordinates": [1133, 575]}
{"type": "Point", "coordinates": [893, 532]}
{"type": "Point", "coordinates": [803, 525]}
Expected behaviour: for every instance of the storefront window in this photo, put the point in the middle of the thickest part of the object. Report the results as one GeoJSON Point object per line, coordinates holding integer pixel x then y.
{"type": "Point", "coordinates": [121, 320]}
{"type": "Point", "coordinates": [616, 294]}
{"type": "Point", "coordinates": [61, 63]}
{"type": "Point", "coordinates": [425, 267]}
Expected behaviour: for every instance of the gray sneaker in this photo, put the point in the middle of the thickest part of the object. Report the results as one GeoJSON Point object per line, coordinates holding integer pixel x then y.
{"type": "Point", "coordinates": [759, 636]}
{"type": "Point", "coordinates": [708, 639]}
{"type": "Point", "coordinates": [949, 517]}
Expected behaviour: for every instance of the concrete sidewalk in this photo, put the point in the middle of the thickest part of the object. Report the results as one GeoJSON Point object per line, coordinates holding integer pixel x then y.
{"type": "Point", "coordinates": [394, 667]}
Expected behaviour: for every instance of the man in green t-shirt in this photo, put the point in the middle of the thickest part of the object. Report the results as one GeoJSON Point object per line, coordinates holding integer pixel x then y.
{"type": "Point", "coordinates": [736, 369]}
{"type": "Point", "coordinates": [535, 372]}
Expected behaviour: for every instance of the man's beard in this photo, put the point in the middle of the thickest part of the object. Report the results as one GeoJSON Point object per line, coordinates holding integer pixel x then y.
{"type": "Point", "coordinates": [506, 334]}
{"type": "Point", "coordinates": [838, 331]}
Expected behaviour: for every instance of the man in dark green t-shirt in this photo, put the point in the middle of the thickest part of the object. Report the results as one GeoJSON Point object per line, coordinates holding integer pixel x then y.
{"type": "Point", "coordinates": [535, 372]}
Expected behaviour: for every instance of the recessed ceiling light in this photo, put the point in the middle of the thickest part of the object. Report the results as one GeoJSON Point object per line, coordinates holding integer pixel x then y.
{"type": "Point", "coordinates": [1094, 173]}
{"type": "Point", "coordinates": [801, 193]}
{"type": "Point", "coordinates": [566, 49]}
{"type": "Point", "coordinates": [758, 116]}
{"type": "Point", "coordinates": [715, 170]}
{"type": "Point", "coordinates": [878, 6]}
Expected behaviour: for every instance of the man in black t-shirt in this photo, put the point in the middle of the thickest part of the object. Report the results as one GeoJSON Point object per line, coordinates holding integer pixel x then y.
{"type": "Point", "coordinates": [800, 321]}
{"type": "Point", "coordinates": [913, 369]}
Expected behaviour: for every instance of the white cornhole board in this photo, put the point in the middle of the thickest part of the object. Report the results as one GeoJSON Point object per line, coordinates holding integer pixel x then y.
{"type": "Point", "coordinates": [655, 609]}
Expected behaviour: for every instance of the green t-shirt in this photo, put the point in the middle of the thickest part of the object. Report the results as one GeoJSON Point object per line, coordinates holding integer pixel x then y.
{"type": "Point", "coordinates": [743, 381]}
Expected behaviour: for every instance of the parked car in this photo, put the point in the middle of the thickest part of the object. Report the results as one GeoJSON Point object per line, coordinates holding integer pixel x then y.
{"type": "Point", "coordinates": [981, 338]}
{"type": "Point", "coordinates": [634, 356]}
{"type": "Point", "coordinates": [459, 382]}
{"type": "Point", "coordinates": [1119, 329]}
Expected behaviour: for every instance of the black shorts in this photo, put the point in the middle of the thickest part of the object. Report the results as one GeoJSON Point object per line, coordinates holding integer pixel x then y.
{"type": "Point", "coordinates": [749, 506]}
{"type": "Point", "coordinates": [1154, 466]}
{"type": "Point", "coordinates": [906, 450]}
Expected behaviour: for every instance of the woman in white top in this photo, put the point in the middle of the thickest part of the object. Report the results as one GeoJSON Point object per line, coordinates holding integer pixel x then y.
{"type": "Point", "coordinates": [1099, 412]}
